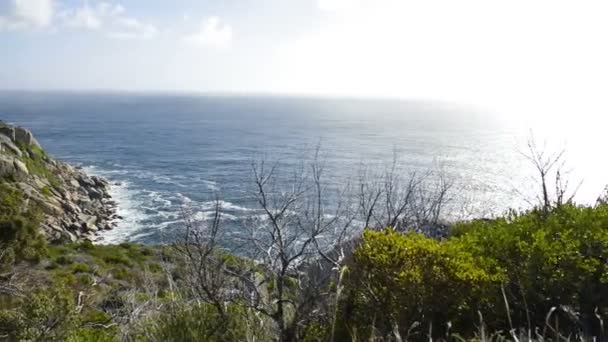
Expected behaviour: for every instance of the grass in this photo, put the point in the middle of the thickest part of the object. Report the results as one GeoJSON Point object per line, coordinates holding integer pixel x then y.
{"type": "Point", "coordinates": [36, 161]}
{"type": "Point", "coordinates": [46, 191]}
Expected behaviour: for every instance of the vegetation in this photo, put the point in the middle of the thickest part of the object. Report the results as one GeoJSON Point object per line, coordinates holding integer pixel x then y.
{"type": "Point", "coordinates": [513, 271]}
{"type": "Point", "coordinates": [20, 238]}
{"type": "Point", "coordinates": [523, 275]}
{"type": "Point", "coordinates": [307, 273]}
{"type": "Point", "coordinates": [36, 161]}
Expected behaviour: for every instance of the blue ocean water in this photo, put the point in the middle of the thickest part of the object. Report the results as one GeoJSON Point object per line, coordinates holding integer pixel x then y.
{"type": "Point", "coordinates": [164, 151]}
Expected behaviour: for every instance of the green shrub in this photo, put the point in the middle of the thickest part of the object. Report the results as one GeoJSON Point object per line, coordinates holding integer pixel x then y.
{"type": "Point", "coordinates": [155, 268]}
{"type": "Point", "coordinates": [197, 323]}
{"type": "Point", "coordinates": [92, 335]}
{"type": "Point", "coordinates": [122, 273]}
{"type": "Point", "coordinates": [46, 191]}
{"type": "Point", "coordinates": [64, 260]}
{"type": "Point", "coordinates": [20, 237]}
{"type": "Point", "coordinates": [45, 314]}
{"type": "Point", "coordinates": [398, 279]}
{"type": "Point", "coordinates": [81, 268]}
{"type": "Point", "coordinates": [554, 261]}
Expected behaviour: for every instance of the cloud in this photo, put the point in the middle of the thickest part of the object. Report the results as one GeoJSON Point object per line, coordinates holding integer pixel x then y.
{"type": "Point", "coordinates": [131, 28]}
{"type": "Point", "coordinates": [212, 33]}
{"type": "Point", "coordinates": [91, 17]}
{"type": "Point", "coordinates": [26, 14]}
{"type": "Point", "coordinates": [110, 18]}
{"type": "Point", "coordinates": [335, 5]}
{"type": "Point", "coordinates": [524, 57]}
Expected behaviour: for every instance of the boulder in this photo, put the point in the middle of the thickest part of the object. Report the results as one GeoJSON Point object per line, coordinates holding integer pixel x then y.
{"type": "Point", "coordinates": [100, 182]}
{"type": "Point", "coordinates": [67, 235]}
{"type": "Point", "coordinates": [74, 227]}
{"type": "Point", "coordinates": [7, 143]}
{"type": "Point", "coordinates": [39, 182]}
{"type": "Point", "coordinates": [70, 207]}
{"type": "Point", "coordinates": [88, 221]}
{"type": "Point", "coordinates": [20, 167]}
{"type": "Point", "coordinates": [25, 137]}
{"type": "Point", "coordinates": [7, 131]}
{"type": "Point", "coordinates": [49, 209]}
{"type": "Point", "coordinates": [95, 194]}
{"type": "Point", "coordinates": [55, 228]}
{"type": "Point", "coordinates": [29, 190]}
{"type": "Point", "coordinates": [7, 166]}
{"type": "Point", "coordinates": [86, 181]}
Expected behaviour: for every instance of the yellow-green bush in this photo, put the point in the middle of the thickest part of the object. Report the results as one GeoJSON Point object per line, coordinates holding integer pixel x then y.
{"type": "Point", "coordinates": [555, 261]}
{"type": "Point", "coordinates": [513, 270]}
{"type": "Point", "coordinates": [399, 279]}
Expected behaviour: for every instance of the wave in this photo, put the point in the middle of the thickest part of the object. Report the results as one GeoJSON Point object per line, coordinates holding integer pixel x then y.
{"type": "Point", "coordinates": [224, 205]}
{"type": "Point", "coordinates": [143, 212]}
{"type": "Point", "coordinates": [129, 211]}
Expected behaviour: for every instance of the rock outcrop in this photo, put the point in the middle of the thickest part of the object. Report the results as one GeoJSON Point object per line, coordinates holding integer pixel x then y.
{"type": "Point", "coordinates": [75, 206]}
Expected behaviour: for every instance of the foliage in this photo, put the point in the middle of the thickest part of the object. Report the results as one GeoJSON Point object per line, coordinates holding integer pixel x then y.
{"type": "Point", "coordinates": [399, 279]}
{"type": "Point", "coordinates": [49, 314]}
{"type": "Point", "coordinates": [41, 314]}
{"type": "Point", "coordinates": [553, 261]}
{"type": "Point", "coordinates": [187, 322]}
{"type": "Point", "coordinates": [516, 271]}
{"type": "Point", "coordinates": [20, 238]}
{"type": "Point", "coordinates": [37, 163]}
{"type": "Point", "coordinates": [522, 270]}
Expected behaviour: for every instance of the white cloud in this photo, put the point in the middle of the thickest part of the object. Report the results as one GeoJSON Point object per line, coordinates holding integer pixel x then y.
{"type": "Point", "coordinates": [336, 5]}
{"type": "Point", "coordinates": [213, 33]}
{"type": "Point", "coordinates": [519, 56]}
{"type": "Point", "coordinates": [26, 14]}
{"type": "Point", "coordinates": [84, 17]}
{"type": "Point", "coordinates": [131, 28]}
{"type": "Point", "coordinates": [110, 18]}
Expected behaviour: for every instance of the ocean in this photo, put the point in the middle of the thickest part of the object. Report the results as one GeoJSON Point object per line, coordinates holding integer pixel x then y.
{"type": "Point", "coordinates": [165, 151]}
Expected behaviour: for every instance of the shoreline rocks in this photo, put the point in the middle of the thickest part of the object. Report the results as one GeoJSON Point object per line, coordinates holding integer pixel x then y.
{"type": "Point", "coordinates": [76, 206]}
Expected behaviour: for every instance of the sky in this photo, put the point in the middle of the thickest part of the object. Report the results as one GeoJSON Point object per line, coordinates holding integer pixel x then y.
{"type": "Point", "coordinates": [516, 56]}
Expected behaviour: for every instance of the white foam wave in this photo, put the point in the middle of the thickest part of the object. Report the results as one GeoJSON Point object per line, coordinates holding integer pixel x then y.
{"type": "Point", "coordinates": [208, 215]}
{"type": "Point", "coordinates": [159, 199]}
{"type": "Point", "coordinates": [225, 205]}
{"type": "Point", "coordinates": [129, 209]}
{"type": "Point", "coordinates": [211, 185]}
{"type": "Point", "coordinates": [185, 199]}
{"type": "Point", "coordinates": [145, 212]}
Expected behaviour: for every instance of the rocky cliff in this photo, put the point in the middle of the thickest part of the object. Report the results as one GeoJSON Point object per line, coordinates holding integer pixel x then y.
{"type": "Point", "coordinates": [74, 206]}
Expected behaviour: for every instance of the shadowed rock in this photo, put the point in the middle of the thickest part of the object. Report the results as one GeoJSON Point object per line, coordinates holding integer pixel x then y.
{"type": "Point", "coordinates": [74, 204]}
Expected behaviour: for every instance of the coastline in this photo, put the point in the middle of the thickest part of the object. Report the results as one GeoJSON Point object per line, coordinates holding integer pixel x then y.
{"type": "Point", "coordinates": [74, 206]}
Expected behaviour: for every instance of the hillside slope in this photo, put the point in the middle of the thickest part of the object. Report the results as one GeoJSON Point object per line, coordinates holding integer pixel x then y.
{"type": "Point", "coordinates": [74, 206]}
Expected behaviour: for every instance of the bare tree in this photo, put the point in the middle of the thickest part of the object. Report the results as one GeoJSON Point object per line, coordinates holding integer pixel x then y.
{"type": "Point", "coordinates": [199, 251]}
{"type": "Point", "coordinates": [297, 229]}
{"type": "Point", "coordinates": [299, 238]}
{"type": "Point", "coordinates": [603, 198]}
{"type": "Point", "coordinates": [549, 166]}
{"type": "Point", "coordinates": [405, 201]}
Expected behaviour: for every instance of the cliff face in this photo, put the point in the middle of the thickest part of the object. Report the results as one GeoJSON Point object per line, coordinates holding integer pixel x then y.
{"type": "Point", "coordinates": [75, 206]}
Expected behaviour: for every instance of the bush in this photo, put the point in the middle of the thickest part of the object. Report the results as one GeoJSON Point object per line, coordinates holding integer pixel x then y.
{"type": "Point", "coordinates": [515, 270]}
{"type": "Point", "coordinates": [555, 261]}
{"type": "Point", "coordinates": [47, 314]}
{"type": "Point", "coordinates": [197, 323]}
{"type": "Point", "coordinates": [50, 314]}
{"type": "Point", "coordinates": [20, 238]}
{"type": "Point", "coordinates": [399, 279]}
